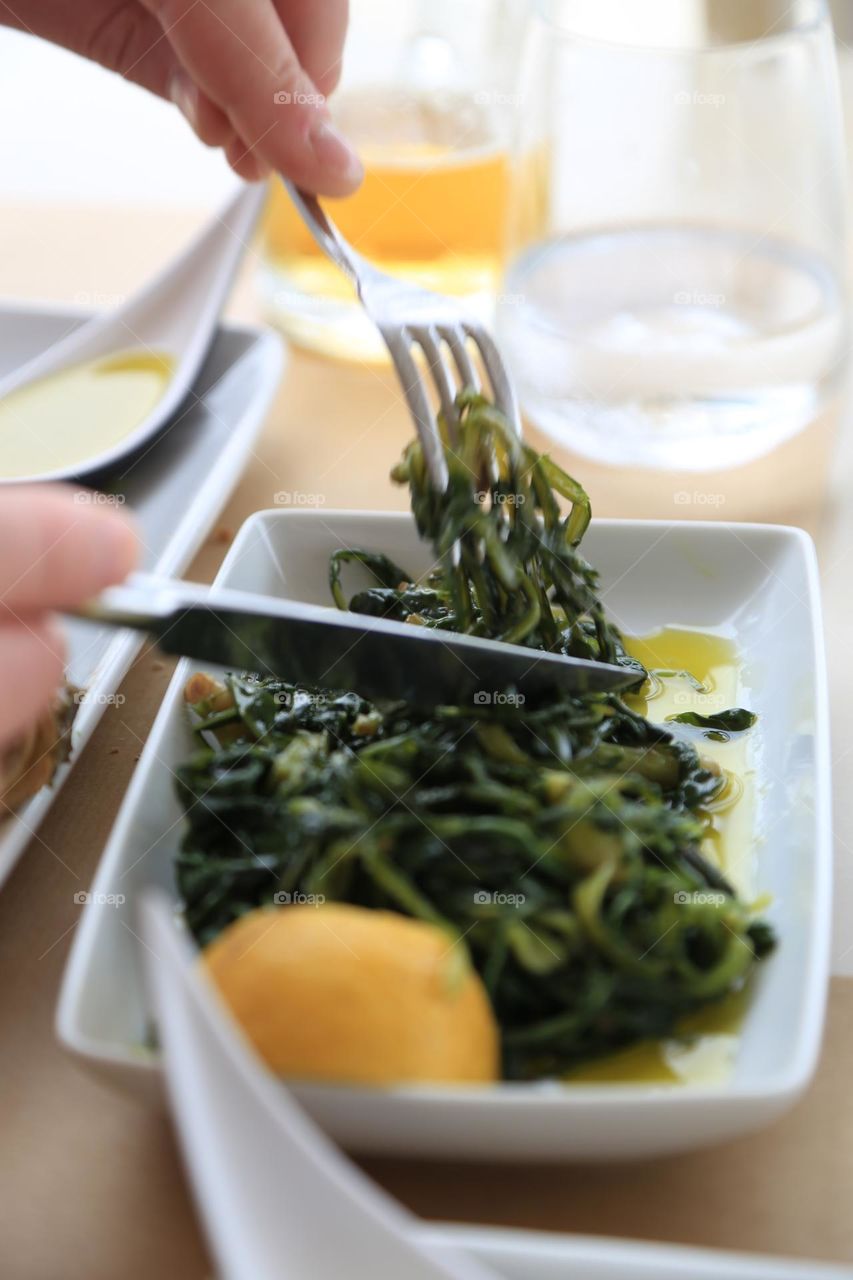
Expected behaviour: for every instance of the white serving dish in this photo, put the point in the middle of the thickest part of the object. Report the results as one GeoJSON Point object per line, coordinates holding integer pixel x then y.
{"type": "Point", "coordinates": [175, 490]}
{"type": "Point", "coordinates": [758, 584]}
{"type": "Point", "coordinates": [535, 1255]}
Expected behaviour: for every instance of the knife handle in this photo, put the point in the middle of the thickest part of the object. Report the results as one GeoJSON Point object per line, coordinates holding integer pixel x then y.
{"type": "Point", "coordinates": [143, 603]}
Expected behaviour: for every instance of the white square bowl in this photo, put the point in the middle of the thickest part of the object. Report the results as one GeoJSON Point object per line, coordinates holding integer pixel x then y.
{"type": "Point", "coordinates": [755, 583]}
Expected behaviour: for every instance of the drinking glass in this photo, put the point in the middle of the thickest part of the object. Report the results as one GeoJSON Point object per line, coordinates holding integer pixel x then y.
{"type": "Point", "coordinates": [685, 308]}
{"type": "Point", "coordinates": [429, 98]}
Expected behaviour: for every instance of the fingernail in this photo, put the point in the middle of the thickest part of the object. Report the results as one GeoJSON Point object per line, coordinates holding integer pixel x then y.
{"type": "Point", "coordinates": [183, 93]}
{"type": "Point", "coordinates": [335, 154]}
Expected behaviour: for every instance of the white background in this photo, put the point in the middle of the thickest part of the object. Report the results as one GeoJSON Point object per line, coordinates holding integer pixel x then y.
{"type": "Point", "coordinates": [70, 130]}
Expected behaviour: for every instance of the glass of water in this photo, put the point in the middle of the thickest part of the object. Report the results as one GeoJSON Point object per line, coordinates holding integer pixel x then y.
{"type": "Point", "coordinates": [685, 309]}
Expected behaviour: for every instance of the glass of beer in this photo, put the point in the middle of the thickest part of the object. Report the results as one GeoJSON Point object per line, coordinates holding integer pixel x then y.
{"type": "Point", "coordinates": [429, 98]}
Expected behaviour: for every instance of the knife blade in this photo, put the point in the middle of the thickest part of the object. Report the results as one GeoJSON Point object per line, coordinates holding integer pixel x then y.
{"type": "Point", "coordinates": [334, 649]}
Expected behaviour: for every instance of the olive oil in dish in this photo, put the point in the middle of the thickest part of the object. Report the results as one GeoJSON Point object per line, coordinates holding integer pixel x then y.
{"type": "Point", "coordinates": [678, 661]}
{"type": "Point", "coordinates": [74, 415]}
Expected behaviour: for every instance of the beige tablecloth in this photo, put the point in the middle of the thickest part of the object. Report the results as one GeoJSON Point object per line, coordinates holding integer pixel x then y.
{"type": "Point", "coordinates": [90, 1185]}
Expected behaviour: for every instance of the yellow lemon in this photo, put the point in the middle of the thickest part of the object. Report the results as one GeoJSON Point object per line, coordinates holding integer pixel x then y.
{"type": "Point", "coordinates": [347, 994]}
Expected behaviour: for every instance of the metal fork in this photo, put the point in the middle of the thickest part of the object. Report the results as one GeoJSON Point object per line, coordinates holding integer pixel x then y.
{"type": "Point", "coordinates": [407, 317]}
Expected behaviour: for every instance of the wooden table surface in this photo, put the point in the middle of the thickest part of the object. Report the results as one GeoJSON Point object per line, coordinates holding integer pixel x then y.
{"type": "Point", "coordinates": [90, 1182]}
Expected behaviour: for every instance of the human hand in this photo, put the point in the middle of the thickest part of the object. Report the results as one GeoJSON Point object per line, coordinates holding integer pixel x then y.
{"type": "Point", "coordinates": [251, 78]}
{"type": "Point", "coordinates": [57, 552]}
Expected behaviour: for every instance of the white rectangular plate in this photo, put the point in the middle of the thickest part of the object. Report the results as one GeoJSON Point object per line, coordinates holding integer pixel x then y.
{"type": "Point", "coordinates": [757, 584]}
{"type": "Point", "coordinates": [533, 1255]}
{"type": "Point", "coordinates": [175, 489]}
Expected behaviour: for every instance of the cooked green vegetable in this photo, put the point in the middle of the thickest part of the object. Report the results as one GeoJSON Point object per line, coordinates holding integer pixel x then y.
{"type": "Point", "coordinates": [559, 840]}
{"type": "Point", "coordinates": [508, 562]}
{"type": "Point", "coordinates": [734, 721]}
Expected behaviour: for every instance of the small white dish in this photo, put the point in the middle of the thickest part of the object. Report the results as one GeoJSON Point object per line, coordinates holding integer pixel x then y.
{"type": "Point", "coordinates": [262, 1172]}
{"type": "Point", "coordinates": [536, 1255]}
{"type": "Point", "coordinates": [756, 583]}
{"type": "Point", "coordinates": [175, 490]}
{"type": "Point", "coordinates": [176, 312]}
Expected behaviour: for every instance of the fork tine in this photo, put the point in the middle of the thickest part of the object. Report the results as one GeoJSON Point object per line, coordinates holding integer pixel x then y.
{"type": "Point", "coordinates": [502, 389]}
{"type": "Point", "coordinates": [455, 339]}
{"type": "Point", "coordinates": [397, 342]}
{"type": "Point", "coordinates": [398, 311]}
{"type": "Point", "coordinates": [455, 336]}
{"type": "Point", "coordinates": [429, 341]}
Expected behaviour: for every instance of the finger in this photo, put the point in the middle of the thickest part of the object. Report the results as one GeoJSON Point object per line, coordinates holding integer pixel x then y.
{"type": "Point", "coordinates": [240, 56]}
{"type": "Point", "coordinates": [212, 125]}
{"type": "Point", "coordinates": [124, 37]}
{"type": "Point", "coordinates": [244, 161]}
{"type": "Point", "coordinates": [318, 44]}
{"type": "Point", "coordinates": [32, 658]}
{"type": "Point", "coordinates": [59, 548]}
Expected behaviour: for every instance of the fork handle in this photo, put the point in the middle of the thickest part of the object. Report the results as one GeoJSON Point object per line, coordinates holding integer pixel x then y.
{"type": "Point", "coordinates": [324, 230]}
